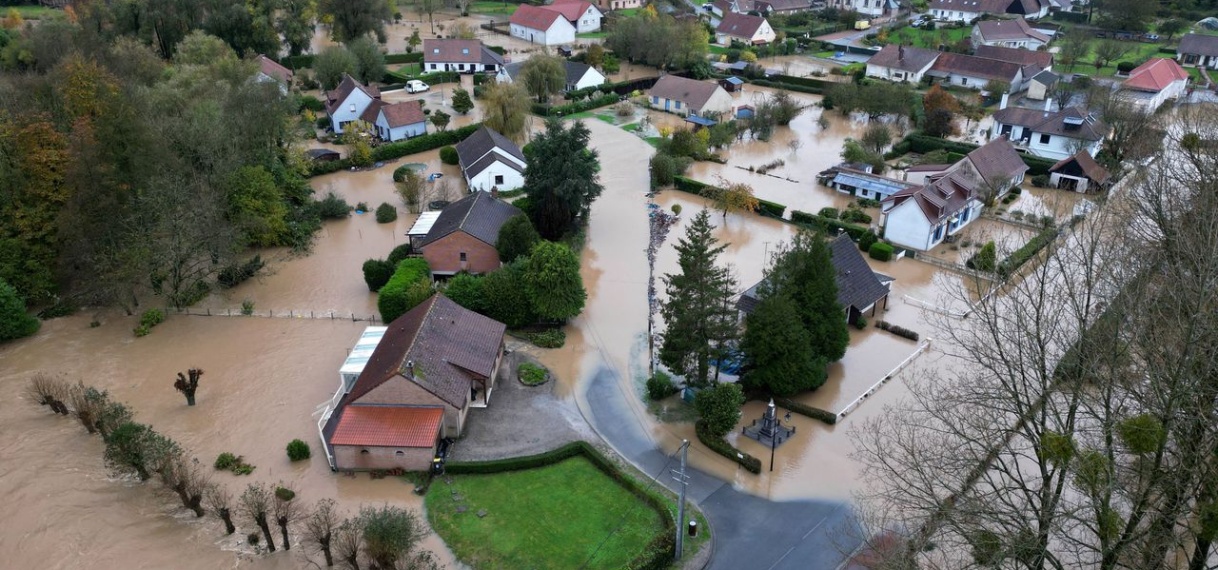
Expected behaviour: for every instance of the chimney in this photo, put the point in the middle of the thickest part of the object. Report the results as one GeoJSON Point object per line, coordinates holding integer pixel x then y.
{"type": "Point", "coordinates": [495, 192]}
{"type": "Point", "coordinates": [1049, 105]}
{"type": "Point", "coordinates": [900, 53]}
{"type": "Point", "coordinates": [1006, 98]}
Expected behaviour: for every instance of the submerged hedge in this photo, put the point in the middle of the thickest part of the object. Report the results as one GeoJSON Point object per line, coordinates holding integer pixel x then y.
{"type": "Point", "coordinates": [764, 207]}
{"type": "Point", "coordinates": [401, 148]}
{"type": "Point", "coordinates": [722, 447]}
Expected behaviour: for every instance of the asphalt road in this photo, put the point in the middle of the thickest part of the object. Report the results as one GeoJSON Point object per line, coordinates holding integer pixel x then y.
{"type": "Point", "coordinates": [750, 532]}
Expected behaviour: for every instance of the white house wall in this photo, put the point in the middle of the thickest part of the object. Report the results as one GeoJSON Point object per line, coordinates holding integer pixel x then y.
{"type": "Point", "coordinates": [560, 32]}
{"type": "Point", "coordinates": [906, 226]}
{"type": "Point", "coordinates": [891, 74]}
{"type": "Point", "coordinates": [350, 109]}
{"type": "Point", "coordinates": [462, 67]}
{"type": "Point", "coordinates": [485, 180]}
{"type": "Point", "coordinates": [399, 133]}
{"type": "Point", "coordinates": [592, 78]}
{"type": "Point", "coordinates": [956, 15]}
{"type": "Point", "coordinates": [589, 22]}
{"type": "Point", "coordinates": [720, 102]}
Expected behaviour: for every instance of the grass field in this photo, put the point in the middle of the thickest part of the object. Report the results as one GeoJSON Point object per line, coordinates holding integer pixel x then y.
{"type": "Point", "coordinates": [549, 517]}
{"type": "Point", "coordinates": [592, 35]}
{"type": "Point", "coordinates": [410, 69]}
{"type": "Point", "coordinates": [34, 12]}
{"type": "Point", "coordinates": [628, 12]}
{"type": "Point", "coordinates": [928, 39]}
{"type": "Point", "coordinates": [490, 8]}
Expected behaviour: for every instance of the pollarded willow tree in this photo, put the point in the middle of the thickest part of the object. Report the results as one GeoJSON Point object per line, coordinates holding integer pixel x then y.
{"type": "Point", "coordinates": [1071, 424]}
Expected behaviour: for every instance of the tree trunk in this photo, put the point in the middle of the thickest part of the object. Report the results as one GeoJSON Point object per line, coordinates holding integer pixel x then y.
{"type": "Point", "coordinates": [325, 549]}
{"type": "Point", "coordinates": [283, 529]}
{"type": "Point", "coordinates": [353, 561]}
{"type": "Point", "coordinates": [196, 504]}
{"type": "Point", "coordinates": [190, 398]}
{"type": "Point", "coordinates": [227, 517]}
{"type": "Point", "coordinates": [1201, 552]}
{"type": "Point", "coordinates": [266, 532]}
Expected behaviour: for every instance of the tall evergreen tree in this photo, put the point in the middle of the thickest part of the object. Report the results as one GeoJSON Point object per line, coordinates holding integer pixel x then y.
{"type": "Point", "coordinates": [804, 271]}
{"type": "Point", "coordinates": [698, 312]}
{"type": "Point", "coordinates": [777, 349]}
{"type": "Point", "coordinates": [561, 178]}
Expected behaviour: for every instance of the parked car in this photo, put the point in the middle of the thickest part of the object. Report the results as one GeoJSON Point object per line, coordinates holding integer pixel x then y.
{"type": "Point", "coordinates": [1151, 37]}
{"type": "Point", "coordinates": [416, 86]}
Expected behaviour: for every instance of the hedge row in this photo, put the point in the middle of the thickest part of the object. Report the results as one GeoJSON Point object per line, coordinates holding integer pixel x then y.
{"type": "Point", "coordinates": [401, 148]}
{"type": "Point", "coordinates": [804, 81]}
{"type": "Point", "coordinates": [923, 144]}
{"type": "Point", "coordinates": [897, 330]}
{"type": "Point", "coordinates": [295, 62]}
{"type": "Point", "coordinates": [788, 86]}
{"type": "Point", "coordinates": [572, 108]}
{"type": "Point", "coordinates": [1030, 249]}
{"type": "Point", "coordinates": [880, 251]}
{"type": "Point", "coordinates": [397, 58]}
{"type": "Point", "coordinates": [435, 78]}
{"type": "Point", "coordinates": [806, 410]}
{"type": "Point", "coordinates": [827, 225]}
{"type": "Point", "coordinates": [656, 555]}
{"type": "Point", "coordinates": [409, 286]}
{"type": "Point", "coordinates": [621, 88]}
{"type": "Point", "coordinates": [722, 447]}
{"type": "Point", "coordinates": [764, 207]}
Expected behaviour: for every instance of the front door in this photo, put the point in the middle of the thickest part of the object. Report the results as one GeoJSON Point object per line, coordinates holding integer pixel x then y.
{"type": "Point", "coordinates": [666, 103]}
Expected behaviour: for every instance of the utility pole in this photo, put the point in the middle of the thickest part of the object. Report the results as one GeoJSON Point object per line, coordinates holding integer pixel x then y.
{"type": "Point", "coordinates": [681, 478]}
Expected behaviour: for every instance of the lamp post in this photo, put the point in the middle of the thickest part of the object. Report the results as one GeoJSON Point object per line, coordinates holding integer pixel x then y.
{"type": "Point", "coordinates": [774, 436]}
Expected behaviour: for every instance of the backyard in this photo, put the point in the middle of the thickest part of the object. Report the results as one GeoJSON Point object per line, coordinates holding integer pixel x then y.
{"type": "Point", "coordinates": [541, 518]}
{"type": "Point", "coordinates": [489, 8]}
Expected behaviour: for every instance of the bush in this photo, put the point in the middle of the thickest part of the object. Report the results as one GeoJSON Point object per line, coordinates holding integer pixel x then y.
{"type": "Point", "coordinates": [361, 207]}
{"type": "Point", "coordinates": [553, 338]}
{"type": "Point", "coordinates": [531, 374]}
{"type": "Point", "coordinates": [377, 273]}
{"type": "Point", "coordinates": [448, 155]}
{"type": "Point", "coordinates": [1125, 67]}
{"type": "Point", "coordinates": [897, 330]}
{"type": "Point", "coordinates": [718, 445]}
{"type": "Point", "coordinates": [466, 290]}
{"type": "Point", "coordinates": [855, 215]}
{"type": "Point", "coordinates": [15, 322]}
{"type": "Point", "coordinates": [247, 307]}
{"type": "Point", "coordinates": [985, 259]}
{"type": "Point", "coordinates": [386, 213]}
{"type": "Point", "coordinates": [880, 251]}
{"type": "Point", "coordinates": [399, 254]}
{"type": "Point", "coordinates": [827, 225]}
{"type": "Point", "coordinates": [409, 286]}
{"type": "Point", "coordinates": [860, 323]}
{"type": "Point", "coordinates": [237, 273]}
{"type": "Point", "coordinates": [1029, 250]}
{"type": "Point", "coordinates": [1041, 181]}
{"type": "Point", "coordinates": [333, 207]}
{"type": "Point", "coordinates": [661, 386]}
{"type": "Point", "coordinates": [298, 450]}
{"type": "Point", "coordinates": [771, 209]}
{"type": "Point", "coordinates": [866, 241]}
{"type": "Point", "coordinates": [830, 213]}
{"type": "Point", "coordinates": [225, 461]}
{"type": "Point", "coordinates": [676, 209]}
{"type": "Point", "coordinates": [805, 410]}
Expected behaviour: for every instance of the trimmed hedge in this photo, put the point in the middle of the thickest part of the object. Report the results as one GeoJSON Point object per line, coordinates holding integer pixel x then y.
{"type": "Point", "coordinates": [805, 410]}
{"type": "Point", "coordinates": [413, 57]}
{"type": "Point", "coordinates": [401, 148]}
{"type": "Point", "coordinates": [656, 555]}
{"type": "Point", "coordinates": [827, 225]}
{"type": "Point", "coordinates": [1029, 250]}
{"type": "Point", "coordinates": [880, 251]}
{"type": "Point", "coordinates": [409, 286]}
{"type": "Point", "coordinates": [764, 207]}
{"type": "Point", "coordinates": [435, 78]}
{"type": "Point", "coordinates": [897, 330]}
{"type": "Point", "coordinates": [722, 447]}
{"type": "Point", "coordinates": [620, 88]}
{"type": "Point", "coordinates": [572, 108]}
{"type": "Point", "coordinates": [295, 62]}
{"type": "Point", "coordinates": [771, 209]}
{"type": "Point", "coordinates": [923, 144]}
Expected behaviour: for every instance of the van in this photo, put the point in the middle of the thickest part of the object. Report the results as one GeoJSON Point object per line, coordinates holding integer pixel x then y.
{"type": "Point", "coordinates": [862, 24]}
{"type": "Point", "coordinates": [416, 86]}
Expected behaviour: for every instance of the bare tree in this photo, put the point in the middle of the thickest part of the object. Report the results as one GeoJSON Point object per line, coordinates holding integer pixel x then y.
{"type": "Point", "coordinates": [219, 501]}
{"type": "Point", "coordinates": [88, 403]}
{"type": "Point", "coordinates": [256, 504]}
{"type": "Point", "coordinates": [287, 510]}
{"type": "Point", "coordinates": [49, 391]}
{"type": "Point", "coordinates": [188, 480]}
{"type": "Point", "coordinates": [320, 527]}
{"type": "Point", "coordinates": [187, 386]}
{"type": "Point", "coordinates": [347, 541]}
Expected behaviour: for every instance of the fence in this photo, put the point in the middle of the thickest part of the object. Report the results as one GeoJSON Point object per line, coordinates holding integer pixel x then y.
{"type": "Point", "coordinates": [891, 373]}
{"type": "Point", "coordinates": [498, 28]}
{"type": "Point", "coordinates": [290, 314]}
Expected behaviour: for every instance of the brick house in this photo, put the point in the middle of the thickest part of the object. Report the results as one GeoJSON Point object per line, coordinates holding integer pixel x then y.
{"type": "Point", "coordinates": [463, 237]}
{"type": "Point", "coordinates": [428, 369]}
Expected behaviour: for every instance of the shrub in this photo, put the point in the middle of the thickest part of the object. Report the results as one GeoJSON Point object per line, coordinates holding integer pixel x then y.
{"type": "Point", "coordinates": [409, 286]}
{"type": "Point", "coordinates": [298, 450]}
{"type": "Point", "coordinates": [1125, 67]}
{"type": "Point", "coordinates": [253, 538]}
{"type": "Point", "coordinates": [448, 155]}
{"type": "Point", "coordinates": [15, 322]}
{"type": "Point", "coordinates": [466, 290]}
{"type": "Point", "coordinates": [676, 209]}
{"type": "Point", "coordinates": [806, 410]}
{"type": "Point", "coordinates": [867, 240]}
{"type": "Point", "coordinates": [860, 323]}
{"type": "Point", "coordinates": [399, 254]}
{"type": "Point", "coordinates": [827, 225]}
{"type": "Point", "coordinates": [225, 461]}
{"type": "Point", "coordinates": [830, 213]}
{"type": "Point", "coordinates": [312, 103]}
{"type": "Point", "coordinates": [531, 374]}
{"type": "Point", "coordinates": [718, 445]}
{"type": "Point", "coordinates": [855, 215]}
{"type": "Point", "coordinates": [284, 493]}
{"type": "Point", "coordinates": [247, 307]}
{"type": "Point", "coordinates": [152, 317]}
{"type": "Point", "coordinates": [661, 386]}
{"type": "Point", "coordinates": [237, 273]}
{"type": "Point", "coordinates": [880, 251]}
{"type": "Point", "coordinates": [553, 338]}
{"type": "Point", "coordinates": [897, 330]}
{"type": "Point", "coordinates": [386, 213]}
{"type": "Point", "coordinates": [361, 207]}
{"type": "Point", "coordinates": [333, 207]}
{"type": "Point", "coordinates": [1040, 181]}
{"type": "Point", "coordinates": [377, 273]}
{"type": "Point", "coordinates": [985, 259]}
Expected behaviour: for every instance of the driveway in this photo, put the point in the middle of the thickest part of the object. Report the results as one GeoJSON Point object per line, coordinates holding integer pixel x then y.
{"type": "Point", "coordinates": [750, 532]}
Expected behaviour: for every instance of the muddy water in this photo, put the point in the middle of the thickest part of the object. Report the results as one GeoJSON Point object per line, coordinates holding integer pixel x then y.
{"type": "Point", "coordinates": [264, 378]}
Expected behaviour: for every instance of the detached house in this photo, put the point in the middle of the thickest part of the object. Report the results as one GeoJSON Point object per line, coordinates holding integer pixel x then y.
{"type": "Point", "coordinates": [270, 70]}
{"type": "Point", "coordinates": [349, 101]}
{"type": "Point", "coordinates": [462, 56]}
{"type": "Point", "coordinates": [746, 29]}
{"type": "Point", "coordinates": [871, 8]}
{"type": "Point", "coordinates": [428, 368]}
{"type": "Point", "coordinates": [901, 63]}
{"type": "Point", "coordinates": [1198, 50]}
{"type": "Point", "coordinates": [1154, 83]}
{"type": "Point", "coordinates": [463, 236]}
{"type": "Point", "coordinates": [975, 72]}
{"type": "Point", "coordinates": [579, 75]}
{"type": "Point", "coordinates": [968, 10]}
{"type": "Point", "coordinates": [860, 290]}
{"type": "Point", "coordinates": [1050, 134]}
{"type": "Point", "coordinates": [584, 17]}
{"type": "Point", "coordinates": [397, 121]}
{"type": "Point", "coordinates": [923, 216]}
{"type": "Point", "coordinates": [689, 96]}
{"type": "Point", "coordinates": [1008, 33]}
{"type": "Point", "coordinates": [994, 167]}
{"type": "Point", "coordinates": [537, 25]}
{"type": "Point", "coordinates": [490, 161]}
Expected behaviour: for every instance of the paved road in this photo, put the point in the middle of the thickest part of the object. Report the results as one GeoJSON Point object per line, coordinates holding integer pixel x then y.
{"type": "Point", "coordinates": [750, 532]}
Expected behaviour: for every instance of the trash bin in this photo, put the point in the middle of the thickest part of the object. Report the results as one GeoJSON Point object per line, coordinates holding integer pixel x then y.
{"type": "Point", "coordinates": [693, 528]}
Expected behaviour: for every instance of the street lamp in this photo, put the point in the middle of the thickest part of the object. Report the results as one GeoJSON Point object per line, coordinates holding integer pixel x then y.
{"type": "Point", "coordinates": [774, 437]}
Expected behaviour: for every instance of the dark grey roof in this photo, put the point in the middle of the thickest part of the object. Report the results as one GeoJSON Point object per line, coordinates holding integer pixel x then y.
{"type": "Point", "coordinates": [1199, 44]}
{"type": "Point", "coordinates": [575, 71]}
{"type": "Point", "coordinates": [1083, 125]}
{"type": "Point", "coordinates": [479, 215]}
{"type": "Point", "coordinates": [909, 59]}
{"type": "Point", "coordinates": [481, 143]}
{"type": "Point", "coordinates": [857, 285]}
{"type": "Point", "coordinates": [1046, 77]}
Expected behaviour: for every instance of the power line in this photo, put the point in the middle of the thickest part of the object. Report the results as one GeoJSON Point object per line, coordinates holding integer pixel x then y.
{"type": "Point", "coordinates": [626, 514]}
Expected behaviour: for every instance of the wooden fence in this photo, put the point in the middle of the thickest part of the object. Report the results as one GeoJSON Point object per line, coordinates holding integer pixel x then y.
{"type": "Point", "coordinates": [289, 314]}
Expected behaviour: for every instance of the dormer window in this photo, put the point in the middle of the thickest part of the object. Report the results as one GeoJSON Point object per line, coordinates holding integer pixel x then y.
{"type": "Point", "coordinates": [435, 50]}
{"type": "Point", "coordinates": [464, 51]}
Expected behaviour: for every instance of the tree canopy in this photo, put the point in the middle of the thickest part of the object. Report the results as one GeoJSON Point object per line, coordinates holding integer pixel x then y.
{"type": "Point", "coordinates": [553, 280]}
{"type": "Point", "coordinates": [777, 349]}
{"type": "Point", "coordinates": [660, 40]}
{"type": "Point", "coordinates": [352, 19]}
{"type": "Point", "coordinates": [561, 178]}
{"type": "Point", "coordinates": [505, 108]}
{"type": "Point", "coordinates": [543, 76]}
{"type": "Point", "coordinates": [516, 238]}
{"type": "Point", "coordinates": [803, 270]}
{"type": "Point", "coordinates": [14, 321]}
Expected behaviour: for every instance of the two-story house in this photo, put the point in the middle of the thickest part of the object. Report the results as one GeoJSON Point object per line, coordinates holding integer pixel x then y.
{"type": "Point", "coordinates": [921, 217]}
{"type": "Point", "coordinates": [746, 29]}
{"type": "Point", "coordinates": [349, 101]}
{"type": "Point", "coordinates": [1050, 134]}
{"type": "Point", "coordinates": [462, 56]}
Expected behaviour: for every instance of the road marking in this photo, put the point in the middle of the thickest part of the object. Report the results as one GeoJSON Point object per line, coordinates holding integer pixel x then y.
{"type": "Point", "coordinates": [789, 550]}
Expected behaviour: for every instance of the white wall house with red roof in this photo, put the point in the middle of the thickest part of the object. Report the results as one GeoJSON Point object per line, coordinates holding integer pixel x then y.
{"type": "Point", "coordinates": [1154, 83]}
{"type": "Point", "coordinates": [584, 16]}
{"type": "Point", "coordinates": [537, 25]}
{"type": "Point", "coordinates": [398, 121]}
{"type": "Point", "coordinates": [744, 28]}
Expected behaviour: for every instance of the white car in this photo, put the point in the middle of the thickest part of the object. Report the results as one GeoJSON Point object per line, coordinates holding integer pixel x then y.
{"type": "Point", "coordinates": [416, 86]}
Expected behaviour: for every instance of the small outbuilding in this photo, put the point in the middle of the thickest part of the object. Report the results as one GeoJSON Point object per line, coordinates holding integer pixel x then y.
{"type": "Point", "coordinates": [322, 155]}
{"type": "Point", "coordinates": [1080, 173]}
{"type": "Point", "coordinates": [732, 84]}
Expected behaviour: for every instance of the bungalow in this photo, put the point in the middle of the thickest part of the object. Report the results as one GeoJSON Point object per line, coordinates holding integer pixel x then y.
{"type": "Point", "coordinates": [859, 288]}
{"type": "Point", "coordinates": [976, 72]}
{"type": "Point", "coordinates": [1008, 33]}
{"type": "Point", "coordinates": [489, 161]}
{"type": "Point", "coordinates": [858, 180]}
{"type": "Point", "coordinates": [968, 10]}
{"type": "Point", "coordinates": [539, 26]}
{"type": "Point", "coordinates": [463, 56]}
{"type": "Point", "coordinates": [1024, 57]}
{"type": "Point", "coordinates": [1198, 50]}
{"type": "Point", "coordinates": [1153, 83]}
{"type": "Point", "coordinates": [619, 4]}
{"type": "Point", "coordinates": [463, 236]}
{"type": "Point", "coordinates": [869, 8]}
{"type": "Point", "coordinates": [397, 121]}
{"type": "Point", "coordinates": [901, 63]}
{"type": "Point", "coordinates": [1041, 83]}
{"type": "Point", "coordinates": [349, 101]}
{"type": "Point", "coordinates": [579, 75]}
{"type": "Point", "coordinates": [689, 96]}
{"type": "Point", "coordinates": [583, 16]}
{"type": "Point", "coordinates": [1080, 173]}
{"type": "Point", "coordinates": [921, 217]}
{"type": "Point", "coordinates": [1050, 134]}
{"type": "Point", "coordinates": [749, 30]}
{"type": "Point", "coordinates": [269, 70]}
{"type": "Point", "coordinates": [426, 370]}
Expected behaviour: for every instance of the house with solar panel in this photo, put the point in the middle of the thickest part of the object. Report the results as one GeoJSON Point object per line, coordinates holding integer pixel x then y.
{"type": "Point", "coordinates": [858, 180]}
{"type": "Point", "coordinates": [407, 385]}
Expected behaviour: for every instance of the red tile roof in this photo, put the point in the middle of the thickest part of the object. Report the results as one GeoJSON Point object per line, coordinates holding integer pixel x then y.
{"type": "Point", "coordinates": [271, 68]}
{"type": "Point", "coordinates": [740, 25]}
{"type": "Point", "coordinates": [1155, 75]}
{"type": "Point", "coordinates": [1041, 59]}
{"type": "Point", "coordinates": [570, 9]}
{"type": "Point", "coordinates": [534, 18]}
{"type": "Point", "coordinates": [404, 113]}
{"type": "Point", "coordinates": [388, 426]}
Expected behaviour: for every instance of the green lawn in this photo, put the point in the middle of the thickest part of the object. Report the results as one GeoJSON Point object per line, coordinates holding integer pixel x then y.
{"type": "Point", "coordinates": [628, 12]}
{"type": "Point", "coordinates": [716, 49]}
{"type": "Point", "coordinates": [928, 39]}
{"type": "Point", "coordinates": [549, 517]}
{"type": "Point", "coordinates": [1138, 53]}
{"type": "Point", "coordinates": [591, 35]}
{"type": "Point", "coordinates": [490, 8]}
{"type": "Point", "coordinates": [410, 69]}
{"type": "Point", "coordinates": [632, 127]}
{"type": "Point", "coordinates": [34, 12]}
